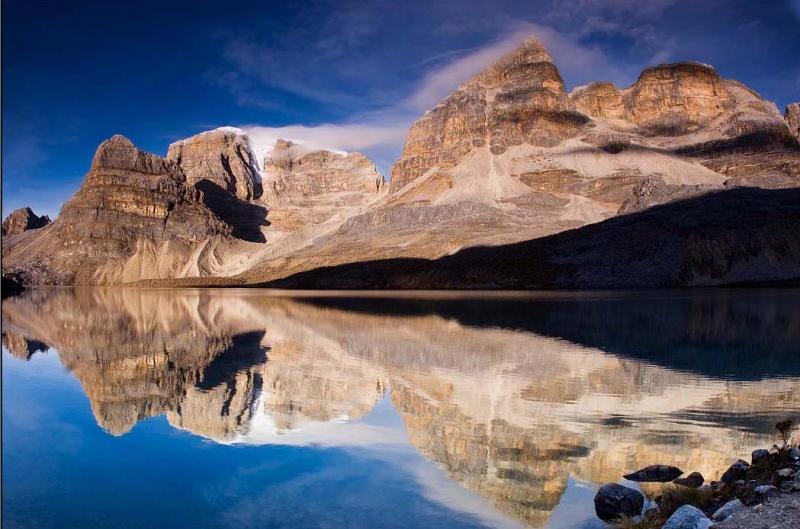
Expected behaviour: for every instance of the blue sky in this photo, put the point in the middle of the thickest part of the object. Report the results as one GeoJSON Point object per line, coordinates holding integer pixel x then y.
{"type": "Point", "coordinates": [349, 75]}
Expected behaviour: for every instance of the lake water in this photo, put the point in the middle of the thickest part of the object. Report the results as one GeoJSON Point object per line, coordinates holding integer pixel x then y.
{"type": "Point", "coordinates": [251, 408]}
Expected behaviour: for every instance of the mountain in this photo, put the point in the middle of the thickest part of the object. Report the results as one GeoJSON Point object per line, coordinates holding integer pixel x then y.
{"type": "Point", "coordinates": [510, 156]}
{"type": "Point", "coordinates": [23, 219]}
{"type": "Point", "coordinates": [133, 216]}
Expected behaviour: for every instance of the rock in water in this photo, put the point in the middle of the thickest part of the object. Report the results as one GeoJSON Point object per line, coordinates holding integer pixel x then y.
{"type": "Point", "coordinates": [23, 219]}
{"type": "Point", "coordinates": [222, 157]}
{"type": "Point", "coordinates": [727, 510]}
{"type": "Point", "coordinates": [735, 472]}
{"type": "Point", "coordinates": [687, 517]}
{"type": "Point", "coordinates": [612, 500]}
{"type": "Point", "coordinates": [655, 473]}
{"type": "Point", "coordinates": [693, 480]}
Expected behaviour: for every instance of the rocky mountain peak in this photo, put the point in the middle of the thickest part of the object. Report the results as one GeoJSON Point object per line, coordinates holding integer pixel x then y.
{"type": "Point", "coordinates": [119, 153]}
{"type": "Point", "coordinates": [222, 158]}
{"type": "Point", "coordinates": [23, 219]}
{"type": "Point", "coordinates": [673, 99]}
{"type": "Point", "coordinates": [294, 174]}
{"type": "Point", "coordinates": [520, 99]}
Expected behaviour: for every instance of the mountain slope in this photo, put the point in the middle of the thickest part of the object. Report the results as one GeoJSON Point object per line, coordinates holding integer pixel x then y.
{"type": "Point", "coordinates": [693, 242]}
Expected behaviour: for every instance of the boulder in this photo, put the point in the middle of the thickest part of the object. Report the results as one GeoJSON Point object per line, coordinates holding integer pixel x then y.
{"type": "Point", "coordinates": [727, 510]}
{"type": "Point", "coordinates": [655, 473]}
{"type": "Point", "coordinates": [687, 517]}
{"type": "Point", "coordinates": [693, 480]}
{"type": "Point", "coordinates": [613, 500]}
{"type": "Point", "coordinates": [784, 474]}
{"type": "Point", "coordinates": [735, 472]}
{"type": "Point", "coordinates": [759, 456]}
{"type": "Point", "coordinates": [763, 492]}
{"type": "Point", "coordinates": [794, 454]}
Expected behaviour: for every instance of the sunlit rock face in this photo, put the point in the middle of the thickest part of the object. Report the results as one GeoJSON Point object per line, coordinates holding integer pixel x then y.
{"type": "Point", "coordinates": [510, 398]}
{"type": "Point", "coordinates": [133, 217]}
{"type": "Point", "coordinates": [222, 157]}
{"type": "Point", "coordinates": [792, 116]}
{"type": "Point", "coordinates": [295, 175]}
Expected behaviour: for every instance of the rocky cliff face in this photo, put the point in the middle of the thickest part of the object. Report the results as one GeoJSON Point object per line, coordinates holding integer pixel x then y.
{"type": "Point", "coordinates": [134, 216]}
{"type": "Point", "coordinates": [295, 175]}
{"type": "Point", "coordinates": [23, 219]}
{"type": "Point", "coordinates": [792, 116]}
{"type": "Point", "coordinates": [222, 157]}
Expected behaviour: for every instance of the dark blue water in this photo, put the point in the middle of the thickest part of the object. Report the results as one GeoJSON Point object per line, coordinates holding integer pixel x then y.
{"type": "Point", "coordinates": [137, 408]}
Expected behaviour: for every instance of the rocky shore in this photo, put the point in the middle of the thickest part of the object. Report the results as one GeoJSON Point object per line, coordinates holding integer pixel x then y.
{"type": "Point", "coordinates": [762, 493]}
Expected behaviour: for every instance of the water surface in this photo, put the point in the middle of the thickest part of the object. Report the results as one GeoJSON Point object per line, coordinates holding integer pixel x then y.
{"type": "Point", "coordinates": [251, 408]}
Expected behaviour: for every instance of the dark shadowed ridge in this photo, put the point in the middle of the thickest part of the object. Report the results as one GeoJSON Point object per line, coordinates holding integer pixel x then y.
{"type": "Point", "coordinates": [737, 236]}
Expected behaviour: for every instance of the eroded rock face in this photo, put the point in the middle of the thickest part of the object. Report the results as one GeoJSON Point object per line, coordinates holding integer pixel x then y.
{"type": "Point", "coordinates": [221, 156]}
{"type": "Point", "coordinates": [792, 116]}
{"type": "Point", "coordinates": [674, 99]}
{"type": "Point", "coordinates": [295, 175]}
{"type": "Point", "coordinates": [23, 219]}
{"type": "Point", "coordinates": [130, 203]}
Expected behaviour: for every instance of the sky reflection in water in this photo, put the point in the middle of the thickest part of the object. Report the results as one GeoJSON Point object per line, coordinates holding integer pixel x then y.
{"type": "Point", "coordinates": [134, 408]}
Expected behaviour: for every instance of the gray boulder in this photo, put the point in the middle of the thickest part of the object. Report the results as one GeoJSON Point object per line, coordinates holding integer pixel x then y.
{"type": "Point", "coordinates": [687, 517]}
{"type": "Point", "coordinates": [794, 454]}
{"type": "Point", "coordinates": [736, 472]}
{"type": "Point", "coordinates": [612, 500]}
{"type": "Point", "coordinates": [727, 510]}
{"type": "Point", "coordinates": [655, 473]}
{"type": "Point", "coordinates": [762, 492]}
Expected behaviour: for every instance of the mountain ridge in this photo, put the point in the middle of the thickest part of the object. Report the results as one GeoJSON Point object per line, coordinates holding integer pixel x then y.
{"type": "Point", "coordinates": [509, 156]}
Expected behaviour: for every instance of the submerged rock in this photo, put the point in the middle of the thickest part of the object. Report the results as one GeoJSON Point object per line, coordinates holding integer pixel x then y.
{"type": "Point", "coordinates": [613, 500]}
{"type": "Point", "coordinates": [687, 517]}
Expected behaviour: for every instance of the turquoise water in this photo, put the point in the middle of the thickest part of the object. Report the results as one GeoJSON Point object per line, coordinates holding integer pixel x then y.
{"type": "Point", "coordinates": [251, 408]}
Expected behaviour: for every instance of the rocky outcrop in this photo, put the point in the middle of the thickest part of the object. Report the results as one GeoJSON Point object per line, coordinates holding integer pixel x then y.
{"type": "Point", "coordinates": [134, 216]}
{"type": "Point", "coordinates": [792, 116]}
{"type": "Point", "coordinates": [23, 219]}
{"type": "Point", "coordinates": [222, 157]}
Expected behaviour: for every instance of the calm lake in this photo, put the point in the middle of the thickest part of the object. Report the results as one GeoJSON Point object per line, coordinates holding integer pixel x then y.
{"type": "Point", "coordinates": [254, 408]}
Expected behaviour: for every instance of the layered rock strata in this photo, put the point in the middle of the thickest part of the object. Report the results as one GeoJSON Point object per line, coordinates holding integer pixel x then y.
{"type": "Point", "coordinates": [134, 216]}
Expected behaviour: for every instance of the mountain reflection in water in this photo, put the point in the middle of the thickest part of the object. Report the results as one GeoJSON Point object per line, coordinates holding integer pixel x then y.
{"type": "Point", "coordinates": [514, 398]}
